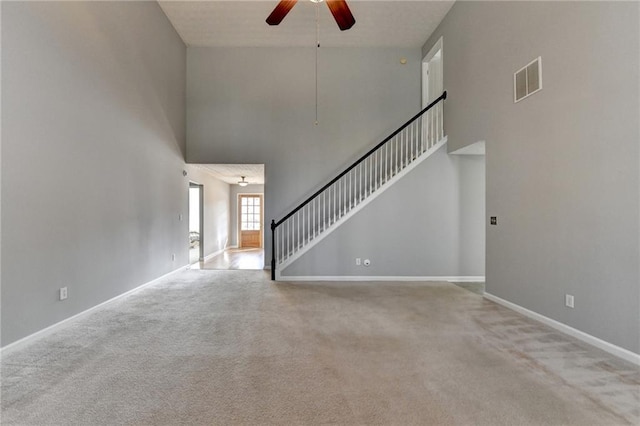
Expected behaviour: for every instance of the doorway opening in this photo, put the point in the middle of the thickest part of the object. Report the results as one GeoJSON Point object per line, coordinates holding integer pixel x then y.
{"type": "Point", "coordinates": [472, 197]}
{"type": "Point", "coordinates": [235, 222]}
{"type": "Point", "coordinates": [248, 250]}
{"type": "Point", "coordinates": [432, 74]}
{"type": "Point", "coordinates": [196, 226]}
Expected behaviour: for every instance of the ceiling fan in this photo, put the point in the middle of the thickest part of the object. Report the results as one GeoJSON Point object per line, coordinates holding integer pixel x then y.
{"type": "Point", "coordinates": [339, 9]}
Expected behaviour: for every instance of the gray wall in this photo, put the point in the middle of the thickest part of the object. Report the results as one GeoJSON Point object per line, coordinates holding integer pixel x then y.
{"type": "Point", "coordinates": [411, 229]}
{"type": "Point", "coordinates": [233, 200]}
{"type": "Point", "coordinates": [562, 165]}
{"type": "Point", "coordinates": [238, 113]}
{"type": "Point", "coordinates": [93, 97]}
{"type": "Point", "coordinates": [217, 208]}
{"type": "Point", "coordinates": [471, 213]}
{"type": "Point", "coordinates": [257, 105]}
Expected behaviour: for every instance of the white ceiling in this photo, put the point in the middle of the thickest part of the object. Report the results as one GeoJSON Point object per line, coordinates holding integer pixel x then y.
{"type": "Point", "coordinates": [231, 173]}
{"type": "Point", "coordinates": [241, 23]}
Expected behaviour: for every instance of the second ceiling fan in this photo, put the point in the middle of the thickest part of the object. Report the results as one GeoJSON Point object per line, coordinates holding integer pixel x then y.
{"type": "Point", "coordinates": [339, 9]}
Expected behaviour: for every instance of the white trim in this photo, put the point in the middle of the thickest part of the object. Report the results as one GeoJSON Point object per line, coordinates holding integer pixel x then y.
{"type": "Point", "coordinates": [434, 49]}
{"type": "Point", "coordinates": [18, 344]}
{"type": "Point", "coordinates": [468, 279]}
{"type": "Point", "coordinates": [625, 354]}
{"type": "Point", "coordinates": [372, 196]}
{"type": "Point", "coordinates": [381, 278]}
{"type": "Point", "coordinates": [201, 242]}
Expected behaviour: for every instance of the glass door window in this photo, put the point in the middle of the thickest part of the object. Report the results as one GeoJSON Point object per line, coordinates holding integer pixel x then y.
{"type": "Point", "coordinates": [250, 214]}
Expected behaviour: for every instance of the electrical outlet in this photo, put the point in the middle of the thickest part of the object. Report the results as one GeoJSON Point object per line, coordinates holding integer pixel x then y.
{"type": "Point", "coordinates": [180, 217]}
{"type": "Point", "coordinates": [358, 261]}
{"type": "Point", "coordinates": [568, 300]}
{"type": "Point", "coordinates": [367, 262]}
{"type": "Point", "coordinates": [173, 257]}
{"type": "Point", "coordinates": [494, 220]}
{"type": "Point", "coordinates": [63, 293]}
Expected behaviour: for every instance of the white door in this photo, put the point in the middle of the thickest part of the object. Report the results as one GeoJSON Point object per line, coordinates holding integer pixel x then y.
{"type": "Point", "coordinates": [432, 74]}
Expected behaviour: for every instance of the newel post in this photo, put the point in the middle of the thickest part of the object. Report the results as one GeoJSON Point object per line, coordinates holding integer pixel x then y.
{"type": "Point", "coordinates": [273, 250]}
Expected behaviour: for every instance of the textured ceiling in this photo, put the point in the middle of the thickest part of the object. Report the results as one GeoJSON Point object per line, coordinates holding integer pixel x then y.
{"type": "Point", "coordinates": [231, 173]}
{"type": "Point", "coordinates": [393, 23]}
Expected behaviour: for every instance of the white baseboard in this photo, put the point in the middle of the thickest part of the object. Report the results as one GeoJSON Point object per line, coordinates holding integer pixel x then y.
{"type": "Point", "coordinates": [378, 278]}
{"type": "Point", "coordinates": [467, 279]}
{"type": "Point", "coordinates": [18, 344]}
{"type": "Point", "coordinates": [625, 354]}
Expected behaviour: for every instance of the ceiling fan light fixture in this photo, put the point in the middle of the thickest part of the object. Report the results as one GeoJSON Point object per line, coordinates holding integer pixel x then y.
{"type": "Point", "coordinates": [243, 182]}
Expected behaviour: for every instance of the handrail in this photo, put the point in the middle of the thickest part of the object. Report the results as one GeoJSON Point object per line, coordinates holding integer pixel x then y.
{"type": "Point", "coordinates": [361, 159]}
{"type": "Point", "coordinates": [275, 224]}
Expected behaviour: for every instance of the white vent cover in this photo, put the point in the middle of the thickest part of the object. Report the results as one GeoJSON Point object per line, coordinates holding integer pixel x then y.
{"type": "Point", "coordinates": [527, 80]}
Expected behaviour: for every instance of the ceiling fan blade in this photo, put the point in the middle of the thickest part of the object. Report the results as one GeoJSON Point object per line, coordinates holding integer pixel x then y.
{"type": "Point", "coordinates": [341, 13]}
{"type": "Point", "coordinates": [280, 11]}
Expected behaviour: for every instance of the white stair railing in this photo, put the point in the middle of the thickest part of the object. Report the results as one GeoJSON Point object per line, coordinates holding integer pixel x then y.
{"type": "Point", "coordinates": [348, 192]}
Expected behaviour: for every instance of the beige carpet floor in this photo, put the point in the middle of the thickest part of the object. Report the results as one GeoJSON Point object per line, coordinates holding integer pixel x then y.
{"type": "Point", "coordinates": [232, 348]}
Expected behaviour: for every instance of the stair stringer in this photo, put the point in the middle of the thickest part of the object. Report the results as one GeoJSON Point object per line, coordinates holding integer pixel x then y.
{"type": "Point", "coordinates": [312, 243]}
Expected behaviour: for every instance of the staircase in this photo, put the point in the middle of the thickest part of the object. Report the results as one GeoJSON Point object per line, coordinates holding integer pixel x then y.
{"type": "Point", "coordinates": [358, 185]}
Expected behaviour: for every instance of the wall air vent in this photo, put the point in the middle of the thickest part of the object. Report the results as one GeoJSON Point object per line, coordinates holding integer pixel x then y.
{"type": "Point", "coordinates": [527, 80]}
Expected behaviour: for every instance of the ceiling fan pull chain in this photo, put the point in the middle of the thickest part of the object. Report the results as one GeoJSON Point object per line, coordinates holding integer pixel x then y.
{"type": "Point", "coordinates": [317, 49]}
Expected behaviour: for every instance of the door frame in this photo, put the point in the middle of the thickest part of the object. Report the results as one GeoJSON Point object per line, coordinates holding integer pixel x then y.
{"type": "Point", "coordinates": [437, 47]}
{"type": "Point", "coordinates": [200, 188]}
{"type": "Point", "coordinates": [239, 227]}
